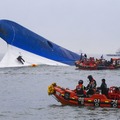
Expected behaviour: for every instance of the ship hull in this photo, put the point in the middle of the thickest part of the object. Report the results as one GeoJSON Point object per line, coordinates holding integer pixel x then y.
{"type": "Point", "coordinates": [27, 43]}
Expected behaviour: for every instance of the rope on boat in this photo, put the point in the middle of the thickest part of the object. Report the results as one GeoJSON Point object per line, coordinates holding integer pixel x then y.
{"type": "Point", "coordinates": [51, 89]}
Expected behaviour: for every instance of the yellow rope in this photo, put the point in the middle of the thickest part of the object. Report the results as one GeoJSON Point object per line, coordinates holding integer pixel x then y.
{"type": "Point", "coordinates": [51, 89]}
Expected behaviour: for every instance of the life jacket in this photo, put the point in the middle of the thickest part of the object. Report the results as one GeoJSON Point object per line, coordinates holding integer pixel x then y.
{"type": "Point", "coordinates": [92, 84]}
{"type": "Point", "coordinates": [80, 89]}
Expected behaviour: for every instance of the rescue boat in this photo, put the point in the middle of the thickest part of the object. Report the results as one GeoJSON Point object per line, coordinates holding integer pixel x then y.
{"type": "Point", "coordinates": [69, 97]}
{"type": "Point", "coordinates": [97, 64]}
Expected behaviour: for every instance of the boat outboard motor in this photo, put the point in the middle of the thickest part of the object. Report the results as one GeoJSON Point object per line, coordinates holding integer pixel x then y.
{"type": "Point", "coordinates": [67, 95]}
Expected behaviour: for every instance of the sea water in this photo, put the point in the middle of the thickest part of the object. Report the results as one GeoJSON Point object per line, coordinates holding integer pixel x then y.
{"type": "Point", "coordinates": [23, 93]}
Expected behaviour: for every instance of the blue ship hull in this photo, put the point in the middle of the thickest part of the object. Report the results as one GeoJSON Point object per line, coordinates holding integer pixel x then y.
{"type": "Point", "coordinates": [20, 37]}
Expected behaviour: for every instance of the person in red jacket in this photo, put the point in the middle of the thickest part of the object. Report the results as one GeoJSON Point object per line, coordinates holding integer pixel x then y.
{"type": "Point", "coordinates": [80, 89]}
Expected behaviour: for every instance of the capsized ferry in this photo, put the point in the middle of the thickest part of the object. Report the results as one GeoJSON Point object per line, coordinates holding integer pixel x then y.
{"type": "Point", "coordinates": [26, 48]}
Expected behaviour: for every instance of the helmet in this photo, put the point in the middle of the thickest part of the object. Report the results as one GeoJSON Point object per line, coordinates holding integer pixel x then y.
{"type": "Point", "coordinates": [80, 82]}
{"type": "Point", "coordinates": [90, 77]}
{"type": "Point", "coordinates": [103, 80]}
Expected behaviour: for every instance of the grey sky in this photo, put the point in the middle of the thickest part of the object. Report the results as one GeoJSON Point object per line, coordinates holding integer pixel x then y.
{"type": "Point", "coordinates": [90, 26]}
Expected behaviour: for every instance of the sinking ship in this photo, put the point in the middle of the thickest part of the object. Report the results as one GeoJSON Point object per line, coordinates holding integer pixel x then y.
{"type": "Point", "coordinates": [26, 48]}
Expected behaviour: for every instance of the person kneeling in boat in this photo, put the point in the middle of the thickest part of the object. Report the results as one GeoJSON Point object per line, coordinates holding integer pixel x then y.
{"type": "Point", "coordinates": [80, 89]}
{"type": "Point", "coordinates": [91, 87]}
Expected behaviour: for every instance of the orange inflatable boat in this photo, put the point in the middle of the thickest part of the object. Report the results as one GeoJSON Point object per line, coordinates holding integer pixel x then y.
{"type": "Point", "coordinates": [69, 97]}
{"type": "Point", "coordinates": [97, 64]}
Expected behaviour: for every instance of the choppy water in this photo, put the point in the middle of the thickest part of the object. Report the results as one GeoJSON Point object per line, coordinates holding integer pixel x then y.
{"type": "Point", "coordinates": [23, 94]}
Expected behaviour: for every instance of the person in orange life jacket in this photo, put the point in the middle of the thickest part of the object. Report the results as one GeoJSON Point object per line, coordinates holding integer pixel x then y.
{"type": "Point", "coordinates": [91, 87]}
{"type": "Point", "coordinates": [80, 89]}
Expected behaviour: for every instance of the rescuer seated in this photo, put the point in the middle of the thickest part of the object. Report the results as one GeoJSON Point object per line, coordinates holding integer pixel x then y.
{"type": "Point", "coordinates": [80, 89]}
